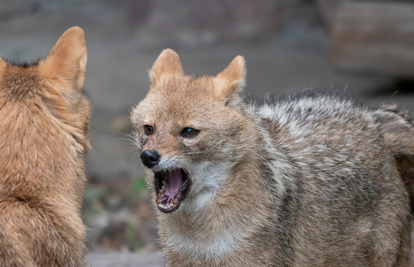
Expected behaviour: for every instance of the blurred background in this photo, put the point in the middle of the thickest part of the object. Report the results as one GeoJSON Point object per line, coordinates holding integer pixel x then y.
{"type": "Point", "coordinates": [362, 48]}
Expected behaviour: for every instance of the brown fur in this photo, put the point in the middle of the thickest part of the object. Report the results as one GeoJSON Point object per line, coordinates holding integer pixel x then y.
{"type": "Point", "coordinates": [303, 181]}
{"type": "Point", "coordinates": [44, 136]}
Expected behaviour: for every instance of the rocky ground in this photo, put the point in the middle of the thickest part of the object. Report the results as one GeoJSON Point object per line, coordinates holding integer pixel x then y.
{"type": "Point", "coordinates": [285, 54]}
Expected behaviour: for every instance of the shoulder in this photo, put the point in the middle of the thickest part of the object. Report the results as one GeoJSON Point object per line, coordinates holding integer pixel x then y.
{"type": "Point", "coordinates": [306, 104]}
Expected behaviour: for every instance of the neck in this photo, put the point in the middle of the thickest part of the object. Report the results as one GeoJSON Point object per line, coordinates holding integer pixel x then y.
{"type": "Point", "coordinates": [39, 159]}
{"type": "Point", "coordinates": [231, 214]}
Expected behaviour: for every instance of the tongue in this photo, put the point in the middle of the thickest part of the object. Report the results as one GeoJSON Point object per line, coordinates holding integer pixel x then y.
{"type": "Point", "coordinates": [173, 183]}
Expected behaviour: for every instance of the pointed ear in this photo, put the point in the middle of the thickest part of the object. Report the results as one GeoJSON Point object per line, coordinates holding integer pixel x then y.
{"type": "Point", "coordinates": [230, 81]}
{"type": "Point", "coordinates": [2, 66]}
{"type": "Point", "coordinates": [168, 62]}
{"type": "Point", "coordinates": [67, 60]}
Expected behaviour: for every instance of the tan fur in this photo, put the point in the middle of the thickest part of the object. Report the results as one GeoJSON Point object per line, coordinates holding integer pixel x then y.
{"type": "Point", "coordinates": [44, 136]}
{"type": "Point", "coordinates": [303, 181]}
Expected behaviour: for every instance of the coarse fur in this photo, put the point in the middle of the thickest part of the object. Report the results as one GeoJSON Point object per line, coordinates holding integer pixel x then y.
{"type": "Point", "coordinates": [44, 120]}
{"type": "Point", "coordinates": [311, 180]}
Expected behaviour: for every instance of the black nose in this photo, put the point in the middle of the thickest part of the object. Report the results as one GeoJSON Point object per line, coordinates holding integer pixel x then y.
{"type": "Point", "coordinates": [150, 158]}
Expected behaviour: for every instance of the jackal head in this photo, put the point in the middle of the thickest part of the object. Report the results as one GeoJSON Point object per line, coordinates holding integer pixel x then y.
{"type": "Point", "coordinates": [44, 98]}
{"type": "Point", "coordinates": [192, 130]}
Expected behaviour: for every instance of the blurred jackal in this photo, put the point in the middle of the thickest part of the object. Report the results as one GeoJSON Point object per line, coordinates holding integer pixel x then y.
{"type": "Point", "coordinates": [44, 121]}
{"type": "Point", "coordinates": [308, 180]}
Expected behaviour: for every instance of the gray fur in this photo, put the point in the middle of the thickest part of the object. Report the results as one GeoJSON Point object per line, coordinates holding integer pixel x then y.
{"type": "Point", "coordinates": [345, 201]}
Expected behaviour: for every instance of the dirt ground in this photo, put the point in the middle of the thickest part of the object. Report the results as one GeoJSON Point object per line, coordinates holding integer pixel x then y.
{"type": "Point", "coordinates": [287, 61]}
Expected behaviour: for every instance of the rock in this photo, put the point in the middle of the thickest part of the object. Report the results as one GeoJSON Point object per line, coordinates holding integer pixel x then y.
{"type": "Point", "coordinates": [17, 8]}
{"type": "Point", "coordinates": [374, 37]}
{"type": "Point", "coordinates": [189, 24]}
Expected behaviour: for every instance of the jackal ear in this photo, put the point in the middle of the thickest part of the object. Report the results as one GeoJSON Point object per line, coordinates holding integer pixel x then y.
{"type": "Point", "coordinates": [2, 66]}
{"type": "Point", "coordinates": [230, 82]}
{"type": "Point", "coordinates": [66, 62]}
{"type": "Point", "coordinates": [167, 63]}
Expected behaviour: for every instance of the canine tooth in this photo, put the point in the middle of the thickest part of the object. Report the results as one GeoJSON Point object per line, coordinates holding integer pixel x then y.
{"type": "Point", "coordinates": [158, 201]}
{"type": "Point", "coordinates": [175, 201]}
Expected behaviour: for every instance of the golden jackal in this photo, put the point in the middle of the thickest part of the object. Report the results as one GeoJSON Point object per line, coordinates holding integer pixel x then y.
{"type": "Point", "coordinates": [44, 121]}
{"type": "Point", "coordinates": [303, 181]}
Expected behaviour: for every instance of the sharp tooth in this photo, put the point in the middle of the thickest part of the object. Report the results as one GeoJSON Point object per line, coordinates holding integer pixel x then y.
{"type": "Point", "coordinates": [158, 201]}
{"type": "Point", "coordinates": [175, 201]}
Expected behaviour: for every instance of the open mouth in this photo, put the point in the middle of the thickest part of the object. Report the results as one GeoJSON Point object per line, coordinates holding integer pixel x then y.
{"type": "Point", "coordinates": [171, 188]}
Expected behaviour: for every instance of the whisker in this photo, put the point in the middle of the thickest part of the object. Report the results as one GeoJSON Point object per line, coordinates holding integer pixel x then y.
{"type": "Point", "coordinates": [126, 139]}
{"type": "Point", "coordinates": [135, 151]}
{"type": "Point", "coordinates": [131, 138]}
{"type": "Point", "coordinates": [130, 145]}
{"type": "Point", "coordinates": [133, 142]}
{"type": "Point", "coordinates": [115, 133]}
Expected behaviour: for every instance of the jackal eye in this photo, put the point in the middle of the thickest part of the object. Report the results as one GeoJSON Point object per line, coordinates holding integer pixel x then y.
{"type": "Point", "coordinates": [149, 130]}
{"type": "Point", "coordinates": [189, 132]}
